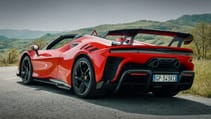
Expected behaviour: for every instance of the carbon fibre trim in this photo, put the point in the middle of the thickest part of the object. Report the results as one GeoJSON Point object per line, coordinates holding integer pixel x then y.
{"type": "Point", "coordinates": [130, 71]}
{"type": "Point", "coordinates": [111, 67]}
{"type": "Point", "coordinates": [185, 82]}
{"type": "Point", "coordinates": [152, 51]}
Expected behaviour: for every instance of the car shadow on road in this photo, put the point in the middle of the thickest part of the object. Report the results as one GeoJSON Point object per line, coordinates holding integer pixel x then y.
{"type": "Point", "coordinates": [138, 103]}
{"type": "Point", "coordinates": [148, 104]}
{"type": "Point", "coordinates": [37, 86]}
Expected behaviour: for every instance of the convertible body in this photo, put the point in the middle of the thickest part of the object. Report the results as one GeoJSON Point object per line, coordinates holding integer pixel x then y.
{"type": "Point", "coordinates": [92, 64]}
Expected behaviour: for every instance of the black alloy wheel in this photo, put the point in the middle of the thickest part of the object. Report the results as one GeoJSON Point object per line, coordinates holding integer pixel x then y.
{"type": "Point", "coordinates": [26, 70]}
{"type": "Point", "coordinates": [83, 78]}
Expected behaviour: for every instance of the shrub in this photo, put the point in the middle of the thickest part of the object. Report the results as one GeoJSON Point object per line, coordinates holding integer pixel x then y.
{"type": "Point", "coordinates": [10, 57]}
{"type": "Point", "coordinates": [202, 81]}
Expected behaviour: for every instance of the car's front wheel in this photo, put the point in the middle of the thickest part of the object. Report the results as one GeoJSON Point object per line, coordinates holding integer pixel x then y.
{"type": "Point", "coordinates": [26, 70]}
{"type": "Point", "coordinates": [83, 78]}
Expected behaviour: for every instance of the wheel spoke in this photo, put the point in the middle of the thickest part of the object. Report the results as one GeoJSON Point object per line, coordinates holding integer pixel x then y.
{"type": "Point", "coordinates": [24, 66]}
{"type": "Point", "coordinates": [77, 84]}
{"type": "Point", "coordinates": [26, 74]}
{"type": "Point", "coordinates": [78, 81]}
{"type": "Point", "coordinates": [78, 78]}
{"type": "Point", "coordinates": [86, 83]}
{"type": "Point", "coordinates": [82, 87]}
{"type": "Point", "coordinates": [87, 71]}
{"type": "Point", "coordinates": [81, 67]}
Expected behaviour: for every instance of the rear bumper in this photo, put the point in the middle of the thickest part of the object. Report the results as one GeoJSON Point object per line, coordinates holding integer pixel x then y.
{"type": "Point", "coordinates": [143, 79]}
{"type": "Point", "coordinates": [130, 71]}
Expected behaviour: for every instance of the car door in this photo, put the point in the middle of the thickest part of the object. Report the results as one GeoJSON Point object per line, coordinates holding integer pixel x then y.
{"type": "Point", "coordinates": [46, 64]}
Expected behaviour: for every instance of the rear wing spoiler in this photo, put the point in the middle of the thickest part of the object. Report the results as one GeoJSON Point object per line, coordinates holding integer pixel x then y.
{"type": "Point", "coordinates": [187, 38]}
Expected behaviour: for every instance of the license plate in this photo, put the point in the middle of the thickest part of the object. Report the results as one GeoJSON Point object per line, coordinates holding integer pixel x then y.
{"type": "Point", "coordinates": [165, 78]}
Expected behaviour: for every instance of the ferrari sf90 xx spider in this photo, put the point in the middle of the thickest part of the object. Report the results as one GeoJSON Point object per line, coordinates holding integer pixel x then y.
{"type": "Point", "coordinates": [146, 60]}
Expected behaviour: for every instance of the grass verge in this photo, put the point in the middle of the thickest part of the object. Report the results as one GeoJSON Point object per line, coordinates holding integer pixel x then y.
{"type": "Point", "coordinates": [202, 81]}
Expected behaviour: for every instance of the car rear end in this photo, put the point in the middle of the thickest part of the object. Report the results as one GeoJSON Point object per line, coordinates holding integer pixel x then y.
{"type": "Point", "coordinates": [165, 70]}
{"type": "Point", "coordinates": [150, 69]}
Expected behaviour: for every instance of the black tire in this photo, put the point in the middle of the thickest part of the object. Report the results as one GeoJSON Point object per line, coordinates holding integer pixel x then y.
{"type": "Point", "coordinates": [26, 70]}
{"type": "Point", "coordinates": [165, 93]}
{"type": "Point", "coordinates": [83, 79]}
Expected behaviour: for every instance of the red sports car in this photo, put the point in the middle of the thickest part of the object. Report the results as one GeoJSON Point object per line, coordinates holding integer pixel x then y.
{"type": "Point", "coordinates": [145, 60]}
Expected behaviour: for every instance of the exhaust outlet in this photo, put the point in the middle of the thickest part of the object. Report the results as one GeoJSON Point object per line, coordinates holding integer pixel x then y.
{"type": "Point", "coordinates": [177, 64]}
{"type": "Point", "coordinates": [154, 63]}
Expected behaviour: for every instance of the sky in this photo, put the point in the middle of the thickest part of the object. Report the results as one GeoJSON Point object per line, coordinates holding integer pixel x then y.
{"type": "Point", "coordinates": [66, 15]}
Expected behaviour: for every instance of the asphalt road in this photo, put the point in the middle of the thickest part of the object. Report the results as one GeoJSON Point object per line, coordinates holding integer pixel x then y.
{"type": "Point", "coordinates": [42, 101]}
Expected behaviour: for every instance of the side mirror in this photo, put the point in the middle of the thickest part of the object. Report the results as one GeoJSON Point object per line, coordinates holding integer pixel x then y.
{"type": "Point", "coordinates": [35, 48]}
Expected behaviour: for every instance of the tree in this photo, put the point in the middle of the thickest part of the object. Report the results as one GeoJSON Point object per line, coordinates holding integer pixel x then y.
{"type": "Point", "coordinates": [202, 39]}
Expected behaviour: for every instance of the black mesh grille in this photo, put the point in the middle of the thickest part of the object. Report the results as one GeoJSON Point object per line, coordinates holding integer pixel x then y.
{"type": "Point", "coordinates": [111, 67]}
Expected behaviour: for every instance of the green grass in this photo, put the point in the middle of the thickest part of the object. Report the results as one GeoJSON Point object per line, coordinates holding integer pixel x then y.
{"type": "Point", "coordinates": [202, 81]}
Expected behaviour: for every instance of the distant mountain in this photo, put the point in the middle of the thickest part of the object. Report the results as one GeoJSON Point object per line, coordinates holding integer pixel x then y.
{"type": "Point", "coordinates": [21, 34]}
{"type": "Point", "coordinates": [182, 24]}
{"type": "Point", "coordinates": [192, 19]}
{"type": "Point", "coordinates": [20, 38]}
{"type": "Point", "coordinates": [3, 38]}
